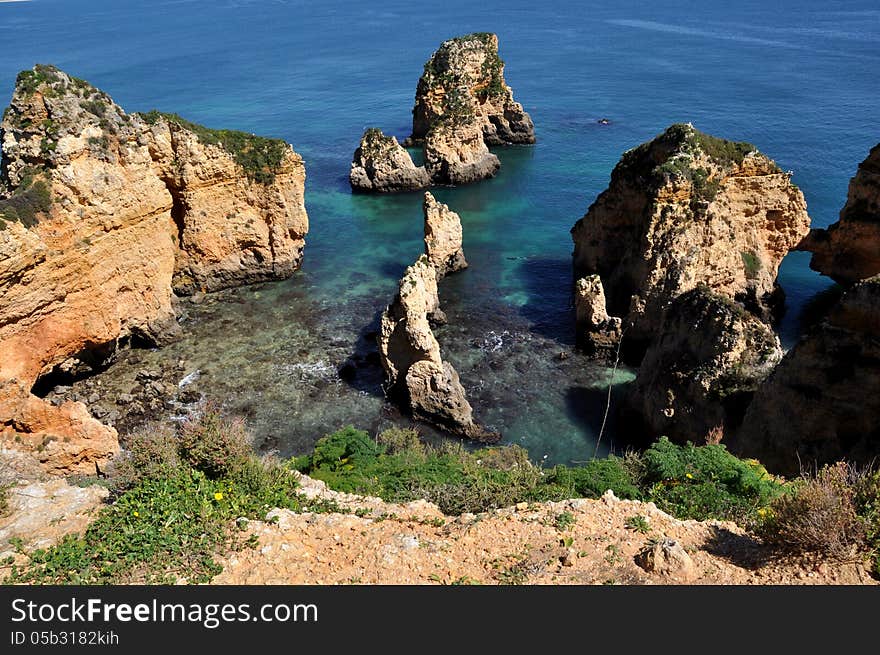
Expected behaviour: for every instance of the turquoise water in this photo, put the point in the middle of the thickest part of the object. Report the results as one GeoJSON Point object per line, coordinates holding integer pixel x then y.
{"type": "Point", "coordinates": [798, 79]}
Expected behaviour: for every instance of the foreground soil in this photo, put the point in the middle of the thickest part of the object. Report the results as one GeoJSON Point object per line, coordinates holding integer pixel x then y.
{"type": "Point", "coordinates": [569, 542]}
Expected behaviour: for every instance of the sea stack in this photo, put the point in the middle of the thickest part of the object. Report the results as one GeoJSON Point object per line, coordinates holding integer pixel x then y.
{"type": "Point", "coordinates": [462, 106]}
{"type": "Point", "coordinates": [103, 215]}
{"type": "Point", "coordinates": [683, 210]}
{"type": "Point", "coordinates": [443, 237]}
{"type": "Point", "coordinates": [849, 250]}
{"type": "Point", "coordinates": [418, 378]}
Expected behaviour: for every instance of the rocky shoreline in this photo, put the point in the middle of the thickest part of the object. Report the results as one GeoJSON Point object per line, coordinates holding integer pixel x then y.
{"type": "Point", "coordinates": [114, 225]}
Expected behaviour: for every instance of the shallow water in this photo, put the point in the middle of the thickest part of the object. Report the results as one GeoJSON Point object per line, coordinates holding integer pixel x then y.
{"type": "Point", "coordinates": [798, 79]}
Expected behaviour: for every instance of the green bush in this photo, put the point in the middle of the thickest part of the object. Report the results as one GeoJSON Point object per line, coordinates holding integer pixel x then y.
{"type": "Point", "coordinates": [703, 482]}
{"type": "Point", "coordinates": [867, 502]}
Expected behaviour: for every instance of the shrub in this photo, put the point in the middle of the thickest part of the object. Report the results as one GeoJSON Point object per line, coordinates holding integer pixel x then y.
{"type": "Point", "coordinates": [30, 199]}
{"type": "Point", "coordinates": [703, 482]}
{"type": "Point", "coordinates": [818, 515]}
{"type": "Point", "coordinates": [214, 444]}
{"type": "Point", "coordinates": [595, 478]}
{"type": "Point", "coordinates": [151, 452]}
{"type": "Point", "coordinates": [867, 501]}
{"type": "Point", "coordinates": [4, 500]}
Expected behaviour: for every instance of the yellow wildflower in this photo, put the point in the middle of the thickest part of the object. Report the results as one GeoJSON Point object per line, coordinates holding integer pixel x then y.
{"type": "Point", "coordinates": [218, 495]}
{"type": "Point", "coordinates": [689, 476]}
{"type": "Point", "coordinates": [135, 513]}
{"type": "Point", "coordinates": [762, 512]}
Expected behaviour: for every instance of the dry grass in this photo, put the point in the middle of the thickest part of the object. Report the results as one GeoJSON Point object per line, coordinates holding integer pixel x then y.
{"type": "Point", "coordinates": [819, 516]}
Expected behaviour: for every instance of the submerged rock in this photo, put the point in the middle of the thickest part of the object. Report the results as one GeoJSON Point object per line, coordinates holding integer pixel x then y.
{"type": "Point", "coordinates": [697, 378]}
{"type": "Point", "coordinates": [381, 164]}
{"type": "Point", "coordinates": [822, 401]}
{"type": "Point", "coordinates": [462, 106]}
{"type": "Point", "coordinates": [849, 250]}
{"type": "Point", "coordinates": [443, 237]}
{"type": "Point", "coordinates": [687, 209]}
{"type": "Point", "coordinates": [416, 373]}
{"type": "Point", "coordinates": [103, 214]}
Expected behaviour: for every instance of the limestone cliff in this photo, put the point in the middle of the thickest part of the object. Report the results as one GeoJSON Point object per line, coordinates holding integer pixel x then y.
{"type": "Point", "coordinates": [465, 78]}
{"type": "Point", "coordinates": [686, 209]}
{"type": "Point", "coordinates": [849, 250]}
{"type": "Point", "coordinates": [417, 375]}
{"type": "Point", "coordinates": [381, 164]}
{"type": "Point", "coordinates": [462, 106]}
{"type": "Point", "coordinates": [443, 237]}
{"type": "Point", "coordinates": [822, 402]}
{"type": "Point", "coordinates": [697, 378]}
{"type": "Point", "coordinates": [102, 214]}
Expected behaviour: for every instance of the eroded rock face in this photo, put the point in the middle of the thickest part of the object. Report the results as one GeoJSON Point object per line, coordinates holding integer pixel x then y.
{"type": "Point", "coordinates": [597, 333]}
{"type": "Point", "coordinates": [822, 401]}
{"type": "Point", "coordinates": [849, 250]}
{"type": "Point", "coordinates": [381, 164]}
{"type": "Point", "coordinates": [103, 213]}
{"type": "Point", "coordinates": [443, 237]}
{"type": "Point", "coordinates": [697, 378]}
{"type": "Point", "coordinates": [463, 105]}
{"type": "Point", "coordinates": [686, 209]}
{"type": "Point", "coordinates": [465, 77]}
{"type": "Point", "coordinates": [410, 354]}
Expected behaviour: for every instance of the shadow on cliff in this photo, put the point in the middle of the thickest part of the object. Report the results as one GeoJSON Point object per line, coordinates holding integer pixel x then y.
{"type": "Point", "coordinates": [549, 307]}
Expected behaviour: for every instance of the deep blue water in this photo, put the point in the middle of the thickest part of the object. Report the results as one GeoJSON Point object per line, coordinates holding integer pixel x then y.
{"type": "Point", "coordinates": [799, 79]}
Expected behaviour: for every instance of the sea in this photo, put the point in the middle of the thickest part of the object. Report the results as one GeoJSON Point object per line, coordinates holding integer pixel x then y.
{"type": "Point", "coordinates": [798, 78]}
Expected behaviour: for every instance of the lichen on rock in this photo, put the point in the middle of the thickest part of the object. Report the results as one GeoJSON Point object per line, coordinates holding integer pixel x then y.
{"type": "Point", "coordinates": [687, 209]}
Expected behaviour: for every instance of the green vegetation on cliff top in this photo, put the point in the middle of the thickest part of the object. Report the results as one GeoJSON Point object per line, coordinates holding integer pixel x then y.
{"type": "Point", "coordinates": [183, 498]}
{"type": "Point", "coordinates": [258, 156]}
{"type": "Point", "coordinates": [673, 155]}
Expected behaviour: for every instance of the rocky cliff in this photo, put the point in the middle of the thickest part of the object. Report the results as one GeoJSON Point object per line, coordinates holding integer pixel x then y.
{"type": "Point", "coordinates": [443, 237]}
{"type": "Point", "coordinates": [849, 250]}
{"type": "Point", "coordinates": [822, 402]}
{"type": "Point", "coordinates": [462, 106]}
{"type": "Point", "coordinates": [103, 213]}
{"type": "Point", "coordinates": [686, 209]}
{"type": "Point", "coordinates": [699, 375]}
{"type": "Point", "coordinates": [417, 375]}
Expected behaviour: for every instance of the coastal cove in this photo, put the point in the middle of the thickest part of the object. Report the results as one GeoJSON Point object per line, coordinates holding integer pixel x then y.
{"type": "Point", "coordinates": [297, 357]}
